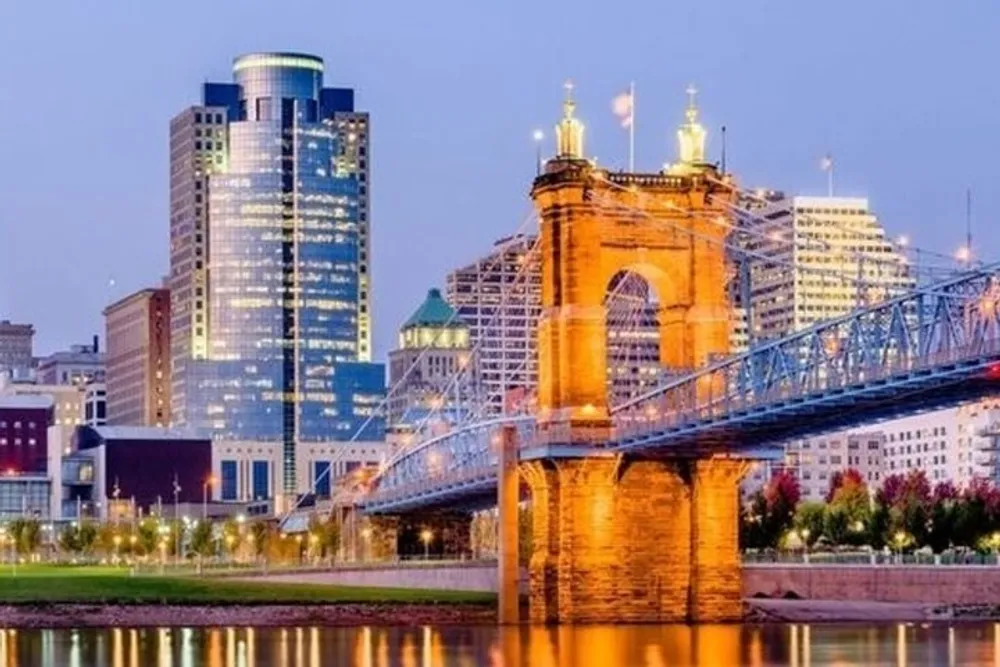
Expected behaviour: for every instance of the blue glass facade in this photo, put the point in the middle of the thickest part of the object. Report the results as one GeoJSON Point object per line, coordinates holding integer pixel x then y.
{"type": "Point", "coordinates": [283, 268]}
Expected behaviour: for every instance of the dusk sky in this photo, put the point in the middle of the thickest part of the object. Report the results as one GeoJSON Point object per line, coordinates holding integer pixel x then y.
{"type": "Point", "coordinates": [903, 93]}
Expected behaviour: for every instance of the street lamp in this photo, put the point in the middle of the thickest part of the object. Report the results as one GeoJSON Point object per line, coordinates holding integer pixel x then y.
{"type": "Point", "coordinates": [204, 496]}
{"type": "Point", "coordinates": [426, 536]}
{"type": "Point", "coordinates": [538, 136]}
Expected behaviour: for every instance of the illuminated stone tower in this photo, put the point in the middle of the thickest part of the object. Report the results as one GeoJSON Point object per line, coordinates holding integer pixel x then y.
{"type": "Point", "coordinates": [667, 227]}
{"type": "Point", "coordinates": [626, 538]}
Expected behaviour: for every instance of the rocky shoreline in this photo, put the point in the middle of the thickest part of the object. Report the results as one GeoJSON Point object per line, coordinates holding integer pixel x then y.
{"type": "Point", "coordinates": [29, 616]}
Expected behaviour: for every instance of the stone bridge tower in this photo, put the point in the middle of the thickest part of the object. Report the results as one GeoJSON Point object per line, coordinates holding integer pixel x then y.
{"type": "Point", "coordinates": [628, 539]}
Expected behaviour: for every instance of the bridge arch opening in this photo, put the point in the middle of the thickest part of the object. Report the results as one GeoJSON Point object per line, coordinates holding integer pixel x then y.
{"type": "Point", "coordinates": [632, 336]}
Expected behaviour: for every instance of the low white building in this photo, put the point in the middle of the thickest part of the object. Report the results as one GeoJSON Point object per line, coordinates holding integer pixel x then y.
{"type": "Point", "coordinates": [815, 460]}
{"type": "Point", "coordinates": [246, 471]}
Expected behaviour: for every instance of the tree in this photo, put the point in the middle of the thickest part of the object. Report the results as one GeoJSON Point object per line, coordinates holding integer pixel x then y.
{"type": "Point", "coordinates": [810, 520]}
{"type": "Point", "coordinates": [943, 515]}
{"type": "Point", "coordinates": [838, 479]}
{"type": "Point", "coordinates": [976, 513]}
{"type": "Point", "coordinates": [324, 537]}
{"type": "Point", "coordinates": [27, 535]}
{"type": "Point", "coordinates": [260, 535]}
{"type": "Point", "coordinates": [908, 501]}
{"type": "Point", "coordinates": [837, 526]}
{"type": "Point", "coordinates": [911, 512]}
{"type": "Point", "coordinates": [849, 508]}
{"type": "Point", "coordinates": [68, 541]}
{"type": "Point", "coordinates": [202, 539]}
{"type": "Point", "coordinates": [148, 536]}
{"type": "Point", "coordinates": [770, 512]}
{"type": "Point", "coordinates": [878, 527]}
{"type": "Point", "coordinates": [890, 491]}
{"type": "Point", "coordinates": [231, 539]}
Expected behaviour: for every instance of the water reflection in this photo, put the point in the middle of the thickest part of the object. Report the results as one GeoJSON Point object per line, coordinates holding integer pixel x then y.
{"type": "Point", "coordinates": [646, 646]}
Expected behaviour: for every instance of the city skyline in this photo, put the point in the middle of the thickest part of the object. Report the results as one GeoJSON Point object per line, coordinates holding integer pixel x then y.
{"type": "Point", "coordinates": [877, 113]}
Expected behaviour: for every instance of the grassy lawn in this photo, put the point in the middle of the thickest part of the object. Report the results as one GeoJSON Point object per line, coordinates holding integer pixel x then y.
{"type": "Point", "coordinates": [50, 584]}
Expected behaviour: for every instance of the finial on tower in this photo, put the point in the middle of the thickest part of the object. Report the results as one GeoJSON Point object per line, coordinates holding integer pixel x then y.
{"type": "Point", "coordinates": [691, 135]}
{"type": "Point", "coordinates": [692, 110]}
{"type": "Point", "coordinates": [569, 131]}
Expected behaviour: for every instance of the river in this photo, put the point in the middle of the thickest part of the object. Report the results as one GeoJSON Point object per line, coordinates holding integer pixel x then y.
{"type": "Point", "coordinates": [935, 645]}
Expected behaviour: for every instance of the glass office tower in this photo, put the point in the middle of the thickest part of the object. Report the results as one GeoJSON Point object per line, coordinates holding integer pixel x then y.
{"type": "Point", "coordinates": [283, 280]}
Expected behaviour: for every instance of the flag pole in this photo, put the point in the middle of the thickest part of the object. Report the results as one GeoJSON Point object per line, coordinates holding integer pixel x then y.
{"type": "Point", "coordinates": [631, 127]}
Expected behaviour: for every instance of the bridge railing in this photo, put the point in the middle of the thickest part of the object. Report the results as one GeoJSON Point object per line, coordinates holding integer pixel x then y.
{"type": "Point", "coordinates": [952, 322]}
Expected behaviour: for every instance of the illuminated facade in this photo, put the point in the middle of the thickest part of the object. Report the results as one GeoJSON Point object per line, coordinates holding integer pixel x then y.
{"type": "Point", "coordinates": [831, 255]}
{"type": "Point", "coordinates": [434, 347]}
{"type": "Point", "coordinates": [281, 302]}
{"type": "Point", "coordinates": [592, 534]}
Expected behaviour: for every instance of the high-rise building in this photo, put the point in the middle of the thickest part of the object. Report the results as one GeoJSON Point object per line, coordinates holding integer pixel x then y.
{"type": "Point", "coordinates": [15, 347]}
{"type": "Point", "coordinates": [267, 258]}
{"type": "Point", "coordinates": [431, 371]}
{"type": "Point", "coordinates": [354, 161]}
{"type": "Point", "coordinates": [138, 359]}
{"type": "Point", "coordinates": [829, 255]}
{"type": "Point", "coordinates": [78, 365]}
{"type": "Point", "coordinates": [499, 297]}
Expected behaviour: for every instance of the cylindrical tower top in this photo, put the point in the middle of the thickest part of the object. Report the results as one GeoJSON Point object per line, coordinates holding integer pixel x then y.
{"type": "Point", "coordinates": [267, 78]}
{"type": "Point", "coordinates": [284, 60]}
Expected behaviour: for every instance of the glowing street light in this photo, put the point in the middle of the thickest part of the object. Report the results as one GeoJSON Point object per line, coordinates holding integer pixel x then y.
{"type": "Point", "coordinates": [963, 254]}
{"type": "Point", "coordinates": [903, 241]}
{"type": "Point", "coordinates": [426, 536]}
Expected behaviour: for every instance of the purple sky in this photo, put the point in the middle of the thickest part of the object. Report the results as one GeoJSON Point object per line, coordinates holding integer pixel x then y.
{"type": "Point", "coordinates": [904, 93]}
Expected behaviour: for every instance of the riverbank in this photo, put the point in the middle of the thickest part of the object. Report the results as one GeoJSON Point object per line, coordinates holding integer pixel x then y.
{"type": "Point", "coordinates": [763, 610]}
{"type": "Point", "coordinates": [49, 615]}
{"type": "Point", "coordinates": [57, 597]}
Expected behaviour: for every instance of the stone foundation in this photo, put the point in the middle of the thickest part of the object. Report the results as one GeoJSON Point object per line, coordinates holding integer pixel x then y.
{"type": "Point", "coordinates": [618, 541]}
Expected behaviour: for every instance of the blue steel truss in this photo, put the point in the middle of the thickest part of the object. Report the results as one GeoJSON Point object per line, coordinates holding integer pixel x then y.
{"type": "Point", "coordinates": [923, 350]}
{"type": "Point", "coordinates": [932, 347]}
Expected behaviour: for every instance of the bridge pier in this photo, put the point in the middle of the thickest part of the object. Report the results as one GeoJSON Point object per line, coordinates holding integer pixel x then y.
{"type": "Point", "coordinates": [619, 540]}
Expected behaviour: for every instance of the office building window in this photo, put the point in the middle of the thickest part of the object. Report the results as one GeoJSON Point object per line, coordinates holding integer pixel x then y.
{"type": "Point", "coordinates": [322, 479]}
{"type": "Point", "coordinates": [261, 480]}
{"type": "Point", "coordinates": [228, 480]}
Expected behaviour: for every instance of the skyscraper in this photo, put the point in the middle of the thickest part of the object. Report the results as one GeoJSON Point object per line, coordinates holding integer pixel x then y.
{"type": "Point", "coordinates": [499, 297]}
{"type": "Point", "coordinates": [138, 359]}
{"type": "Point", "coordinates": [267, 258]}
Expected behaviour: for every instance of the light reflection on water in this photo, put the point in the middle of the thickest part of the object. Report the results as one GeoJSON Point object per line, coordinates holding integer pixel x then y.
{"type": "Point", "coordinates": [632, 646]}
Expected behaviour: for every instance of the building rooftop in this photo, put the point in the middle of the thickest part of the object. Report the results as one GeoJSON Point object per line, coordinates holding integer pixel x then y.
{"type": "Point", "coordinates": [146, 433]}
{"type": "Point", "coordinates": [26, 402]}
{"type": "Point", "coordinates": [433, 312]}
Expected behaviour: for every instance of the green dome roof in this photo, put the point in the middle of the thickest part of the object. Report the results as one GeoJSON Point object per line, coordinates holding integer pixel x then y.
{"type": "Point", "coordinates": [433, 312]}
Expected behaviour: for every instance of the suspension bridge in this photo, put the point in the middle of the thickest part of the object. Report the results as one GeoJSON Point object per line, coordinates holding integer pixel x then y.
{"type": "Point", "coordinates": [635, 500]}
